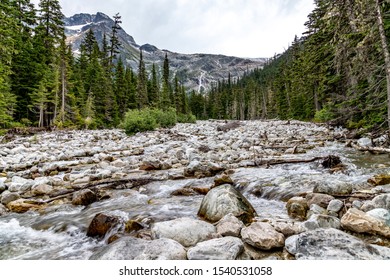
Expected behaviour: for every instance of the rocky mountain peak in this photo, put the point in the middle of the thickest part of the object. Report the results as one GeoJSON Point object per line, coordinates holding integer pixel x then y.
{"type": "Point", "coordinates": [195, 71]}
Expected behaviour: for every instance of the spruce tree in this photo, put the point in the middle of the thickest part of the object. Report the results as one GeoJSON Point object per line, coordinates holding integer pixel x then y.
{"type": "Point", "coordinates": [142, 91]}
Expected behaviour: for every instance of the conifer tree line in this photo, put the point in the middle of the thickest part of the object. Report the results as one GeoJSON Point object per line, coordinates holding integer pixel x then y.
{"type": "Point", "coordinates": [42, 83]}
{"type": "Point", "coordinates": [338, 71]}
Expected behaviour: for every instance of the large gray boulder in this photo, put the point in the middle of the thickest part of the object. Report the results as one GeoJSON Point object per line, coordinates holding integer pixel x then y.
{"type": "Point", "coordinates": [226, 248]}
{"type": "Point", "coordinates": [262, 236]}
{"type": "Point", "coordinates": [360, 222]}
{"type": "Point", "coordinates": [131, 248]}
{"type": "Point", "coordinates": [224, 200]}
{"type": "Point", "coordinates": [333, 188]}
{"type": "Point", "coordinates": [321, 221]}
{"type": "Point", "coordinates": [186, 231]}
{"type": "Point", "coordinates": [333, 244]}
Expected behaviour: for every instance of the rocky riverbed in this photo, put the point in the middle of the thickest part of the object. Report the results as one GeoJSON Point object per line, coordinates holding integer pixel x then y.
{"type": "Point", "coordinates": [210, 190]}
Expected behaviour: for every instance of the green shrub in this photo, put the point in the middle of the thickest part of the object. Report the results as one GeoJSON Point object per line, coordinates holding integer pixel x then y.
{"type": "Point", "coordinates": [323, 115]}
{"type": "Point", "coordinates": [186, 118]}
{"type": "Point", "coordinates": [164, 118]}
{"type": "Point", "coordinates": [138, 121]}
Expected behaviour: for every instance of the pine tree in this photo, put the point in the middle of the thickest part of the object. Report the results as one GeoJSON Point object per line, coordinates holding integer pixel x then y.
{"type": "Point", "coordinates": [165, 100]}
{"type": "Point", "coordinates": [142, 91]}
{"type": "Point", "coordinates": [114, 41]}
{"type": "Point", "coordinates": [8, 27]}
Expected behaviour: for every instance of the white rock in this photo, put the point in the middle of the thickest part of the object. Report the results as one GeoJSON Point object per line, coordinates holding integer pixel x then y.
{"type": "Point", "coordinates": [186, 231]}
{"type": "Point", "coordinates": [226, 248]}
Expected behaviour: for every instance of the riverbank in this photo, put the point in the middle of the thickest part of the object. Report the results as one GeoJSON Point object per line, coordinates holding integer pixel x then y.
{"type": "Point", "coordinates": [54, 186]}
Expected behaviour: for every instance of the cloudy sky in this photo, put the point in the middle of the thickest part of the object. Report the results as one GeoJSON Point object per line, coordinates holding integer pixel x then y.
{"type": "Point", "coordinates": [245, 28]}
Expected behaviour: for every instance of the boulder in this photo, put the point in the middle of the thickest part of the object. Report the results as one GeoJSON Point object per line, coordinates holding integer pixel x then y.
{"type": "Point", "coordinates": [19, 184]}
{"type": "Point", "coordinates": [150, 164]}
{"type": "Point", "coordinates": [380, 214]}
{"type": "Point", "coordinates": [360, 222]}
{"type": "Point", "coordinates": [132, 225]}
{"type": "Point", "coordinates": [224, 200]}
{"type": "Point", "coordinates": [321, 221]}
{"type": "Point", "coordinates": [3, 210]}
{"type": "Point", "coordinates": [335, 206]}
{"type": "Point", "coordinates": [101, 224]}
{"type": "Point", "coordinates": [297, 208]}
{"type": "Point", "coordinates": [84, 197]}
{"type": "Point", "coordinates": [200, 170]}
{"type": "Point", "coordinates": [333, 188]}
{"type": "Point", "coordinates": [230, 225]}
{"type": "Point", "coordinates": [319, 199]}
{"type": "Point", "coordinates": [226, 248]}
{"type": "Point", "coordinates": [262, 236]}
{"type": "Point", "coordinates": [22, 205]}
{"type": "Point", "coordinates": [163, 249]}
{"type": "Point", "coordinates": [382, 201]}
{"type": "Point", "coordinates": [379, 180]}
{"type": "Point", "coordinates": [42, 189]}
{"type": "Point", "coordinates": [7, 197]}
{"type": "Point", "coordinates": [222, 180]}
{"type": "Point", "coordinates": [186, 231]}
{"type": "Point", "coordinates": [131, 248]}
{"type": "Point", "coordinates": [287, 228]}
{"type": "Point", "coordinates": [333, 244]}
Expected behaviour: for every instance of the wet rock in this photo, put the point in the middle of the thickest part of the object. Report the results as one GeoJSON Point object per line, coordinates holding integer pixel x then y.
{"type": "Point", "coordinates": [131, 248]}
{"type": "Point", "coordinates": [331, 162]}
{"type": "Point", "coordinates": [333, 244]}
{"type": "Point", "coordinates": [315, 210]}
{"type": "Point", "coordinates": [101, 224]}
{"type": "Point", "coordinates": [222, 180]}
{"type": "Point", "coordinates": [262, 236]}
{"type": "Point", "coordinates": [133, 226]}
{"type": "Point", "coordinates": [84, 197]}
{"type": "Point", "coordinates": [297, 208]}
{"type": "Point", "coordinates": [7, 197]}
{"type": "Point", "coordinates": [186, 231]}
{"type": "Point", "coordinates": [150, 164]}
{"type": "Point", "coordinates": [19, 184]}
{"type": "Point", "coordinates": [287, 228]}
{"type": "Point", "coordinates": [224, 200]}
{"type": "Point", "coordinates": [379, 180]}
{"type": "Point", "coordinates": [3, 210]}
{"type": "Point", "coordinates": [42, 189]}
{"type": "Point", "coordinates": [335, 205]}
{"type": "Point", "coordinates": [230, 225]}
{"type": "Point", "coordinates": [200, 170]}
{"type": "Point", "coordinates": [226, 248]}
{"type": "Point", "coordinates": [382, 201]}
{"type": "Point", "coordinates": [358, 204]}
{"type": "Point", "coordinates": [365, 142]}
{"type": "Point", "coordinates": [360, 222]}
{"type": "Point", "coordinates": [320, 199]}
{"type": "Point", "coordinates": [22, 206]}
{"type": "Point", "coordinates": [321, 221]}
{"type": "Point", "coordinates": [333, 188]}
{"type": "Point", "coordinates": [2, 185]}
{"type": "Point", "coordinates": [186, 191]}
{"type": "Point", "coordinates": [380, 214]}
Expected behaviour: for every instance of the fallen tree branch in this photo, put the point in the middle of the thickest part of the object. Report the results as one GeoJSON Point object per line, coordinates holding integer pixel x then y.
{"type": "Point", "coordinates": [372, 150]}
{"type": "Point", "coordinates": [328, 161]}
{"type": "Point", "coordinates": [104, 184]}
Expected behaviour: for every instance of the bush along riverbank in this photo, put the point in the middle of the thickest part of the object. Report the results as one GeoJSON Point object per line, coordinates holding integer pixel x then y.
{"type": "Point", "coordinates": [205, 190]}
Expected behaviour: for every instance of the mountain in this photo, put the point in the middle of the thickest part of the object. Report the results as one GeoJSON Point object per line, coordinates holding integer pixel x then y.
{"type": "Point", "coordinates": [196, 71]}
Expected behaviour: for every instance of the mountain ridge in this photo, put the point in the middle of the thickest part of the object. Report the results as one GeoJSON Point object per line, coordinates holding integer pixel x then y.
{"type": "Point", "coordinates": [197, 71]}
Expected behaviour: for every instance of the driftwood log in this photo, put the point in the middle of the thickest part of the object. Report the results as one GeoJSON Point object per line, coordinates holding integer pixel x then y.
{"type": "Point", "coordinates": [327, 162]}
{"type": "Point", "coordinates": [129, 183]}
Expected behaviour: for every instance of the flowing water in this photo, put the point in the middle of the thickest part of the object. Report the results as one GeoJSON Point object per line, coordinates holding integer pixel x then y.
{"type": "Point", "coordinates": [59, 232]}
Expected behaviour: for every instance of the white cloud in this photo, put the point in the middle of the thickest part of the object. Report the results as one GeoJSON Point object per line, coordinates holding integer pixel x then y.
{"type": "Point", "coordinates": [247, 28]}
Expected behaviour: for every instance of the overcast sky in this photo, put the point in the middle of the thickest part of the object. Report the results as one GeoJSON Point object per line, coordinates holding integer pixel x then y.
{"type": "Point", "coordinates": [245, 28]}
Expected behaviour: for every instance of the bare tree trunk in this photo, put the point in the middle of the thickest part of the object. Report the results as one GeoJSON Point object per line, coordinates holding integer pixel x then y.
{"type": "Point", "coordinates": [386, 55]}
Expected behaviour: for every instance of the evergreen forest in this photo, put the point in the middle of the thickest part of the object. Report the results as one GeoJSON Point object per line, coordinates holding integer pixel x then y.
{"type": "Point", "coordinates": [338, 72]}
